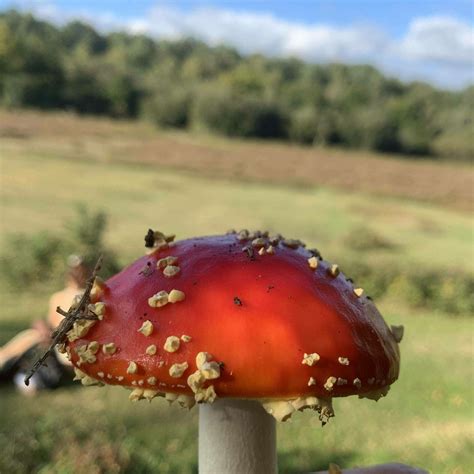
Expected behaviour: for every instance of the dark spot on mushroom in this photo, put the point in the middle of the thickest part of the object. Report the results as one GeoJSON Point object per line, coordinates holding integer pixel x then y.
{"type": "Point", "coordinates": [270, 287]}
{"type": "Point", "coordinates": [149, 239]}
{"type": "Point", "coordinates": [350, 280]}
{"type": "Point", "coordinates": [237, 301]}
{"type": "Point", "coordinates": [147, 270]}
{"type": "Point", "coordinates": [250, 252]}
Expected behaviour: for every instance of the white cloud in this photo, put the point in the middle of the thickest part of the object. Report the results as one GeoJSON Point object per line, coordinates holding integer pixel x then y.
{"type": "Point", "coordinates": [265, 33]}
{"type": "Point", "coordinates": [437, 49]}
{"type": "Point", "coordinates": [439, 40]}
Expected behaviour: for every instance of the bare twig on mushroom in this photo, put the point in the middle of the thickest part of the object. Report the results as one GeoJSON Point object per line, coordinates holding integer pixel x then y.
{"type": "Point", "coordinates": [75, 313]}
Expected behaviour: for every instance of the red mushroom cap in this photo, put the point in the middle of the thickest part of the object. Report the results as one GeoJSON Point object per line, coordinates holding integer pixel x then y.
{"type": "Point", "coordinates": [241, 316]}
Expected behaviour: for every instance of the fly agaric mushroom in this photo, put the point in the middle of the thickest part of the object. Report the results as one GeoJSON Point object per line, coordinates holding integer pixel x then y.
{"type": "Point", "coordinates": [251, 327]}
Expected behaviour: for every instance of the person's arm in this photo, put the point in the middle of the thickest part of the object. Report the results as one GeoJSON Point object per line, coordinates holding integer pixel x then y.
{"type": "Point", "coordinates": [53, 317]}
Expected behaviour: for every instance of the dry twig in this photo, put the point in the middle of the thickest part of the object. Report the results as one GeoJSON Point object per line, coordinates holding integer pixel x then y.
{"type": "Point", "coordinates": [75, 313]}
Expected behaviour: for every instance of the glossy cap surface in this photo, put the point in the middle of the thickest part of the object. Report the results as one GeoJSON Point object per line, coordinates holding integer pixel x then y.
{"type": "Point", "coordinates": [253, 318]}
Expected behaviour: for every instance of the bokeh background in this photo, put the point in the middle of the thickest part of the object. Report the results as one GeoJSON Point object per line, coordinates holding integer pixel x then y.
{"type": "Point", "coordinates": [348, 125]}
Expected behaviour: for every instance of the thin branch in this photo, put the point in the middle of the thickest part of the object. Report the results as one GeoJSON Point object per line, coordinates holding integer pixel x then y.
{"type": "Point", "coordinates": [61, 311]}
{"type": "Point", "coordinates": [74, 314]}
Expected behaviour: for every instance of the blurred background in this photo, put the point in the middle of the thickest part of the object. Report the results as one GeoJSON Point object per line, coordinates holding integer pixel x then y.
{"type": "Point", "coordinates": [348, 125]}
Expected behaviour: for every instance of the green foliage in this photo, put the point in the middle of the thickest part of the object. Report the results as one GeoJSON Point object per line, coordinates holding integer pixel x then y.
{"type": "Point", "coordinates": [415, 116]}
{"type": "Point", "coordinates": [457, 124]}
{"type": "Point", "coordinates": [80, 35]}
{"type": "Point", "coordinates": [363, 238]}
{"type": "Point", "coordinates": [328, 129]}
{"type": "Point", "coordinates": [231, 114]}
{"type": "Point", "coordinates": [84, 91]}
{"type": "Point", "coordinates": [169, 107]}
{"type": "Point", "coordinates": [30, 260]}
{"type": "Point", "coordinates": [370, 127]}
{"type": "Point", "coordinates": [303, 125]}
{"type": "Point", "coordinates": [441, 290]}
{"type": "Point", "coordinates": [32, 74]}
{"type": "Point", "coordinates": [84, 235]}
{"type": "Point", "coordinates": [119, 74]}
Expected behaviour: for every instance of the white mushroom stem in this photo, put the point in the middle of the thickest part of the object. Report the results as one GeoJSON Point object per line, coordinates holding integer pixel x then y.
{"type": "Point", "coordinates": [235, 437]}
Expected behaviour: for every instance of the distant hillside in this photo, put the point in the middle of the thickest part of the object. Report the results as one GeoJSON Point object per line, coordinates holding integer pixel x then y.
{"type": "Point", "coordinates": [186, 83]}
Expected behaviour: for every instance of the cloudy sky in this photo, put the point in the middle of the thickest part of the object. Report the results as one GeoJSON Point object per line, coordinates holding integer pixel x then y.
{"type": "Point", "coordinates": [432, 40]}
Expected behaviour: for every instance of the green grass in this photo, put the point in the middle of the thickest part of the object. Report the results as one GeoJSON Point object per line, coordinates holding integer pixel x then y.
{"type": "Point", "coordinates": [427, 418]}
{"type": "Point", "coordinates": [136, 197]}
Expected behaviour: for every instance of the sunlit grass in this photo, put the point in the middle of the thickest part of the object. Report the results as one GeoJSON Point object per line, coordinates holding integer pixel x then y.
{"type": "Point", "coordinates": [136, 197]}
{"type": "Point", "coordinates": [426, 420]}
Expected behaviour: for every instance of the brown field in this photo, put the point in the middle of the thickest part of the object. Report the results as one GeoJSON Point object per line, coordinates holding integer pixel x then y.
{"type": "Point", "coordinates": [65, 135]}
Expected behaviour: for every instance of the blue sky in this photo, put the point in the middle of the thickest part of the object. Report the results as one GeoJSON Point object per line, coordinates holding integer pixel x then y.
{"type": "Point", "coordinates": [430, 40]}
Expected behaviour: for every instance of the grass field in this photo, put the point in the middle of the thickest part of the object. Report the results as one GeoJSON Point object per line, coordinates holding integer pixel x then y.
{"type": "Point", "coordinates": [427, 418]}
{"type": "Point", "coordinates": [105, 141]}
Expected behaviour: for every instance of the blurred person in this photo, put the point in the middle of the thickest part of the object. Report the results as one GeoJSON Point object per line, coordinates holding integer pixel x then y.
{"type": "Point", "coordinates": [18, 355]}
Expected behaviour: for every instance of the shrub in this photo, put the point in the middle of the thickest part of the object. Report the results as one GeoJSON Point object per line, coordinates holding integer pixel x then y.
{"type": "Point", "coordinates": [458, 144]}
{"type": "Point", "coordinates": [84, 90]}
{"type": "Point", "coordinates": [28, 259]}
{"type": "Point", "coordinates": [240, 115]}
{"type": "Point", "coordinates": [363, 238]}
{"type": "Point", "coordinates": [303, 125]}
{"type": "Point", "coordinates": [169, 107]}
{"type": "Point", "coordinates": [328, 129]}
{"type": "Point", "coordinates": [85, 236]}
{"type": "Point", "coordinates": [34, 259]}
{"type": "Point", "coordinates": [448, 291]}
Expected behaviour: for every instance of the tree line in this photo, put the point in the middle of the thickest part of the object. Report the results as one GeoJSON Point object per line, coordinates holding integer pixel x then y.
{"type": "Point", "coordinates": [187, 84]}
